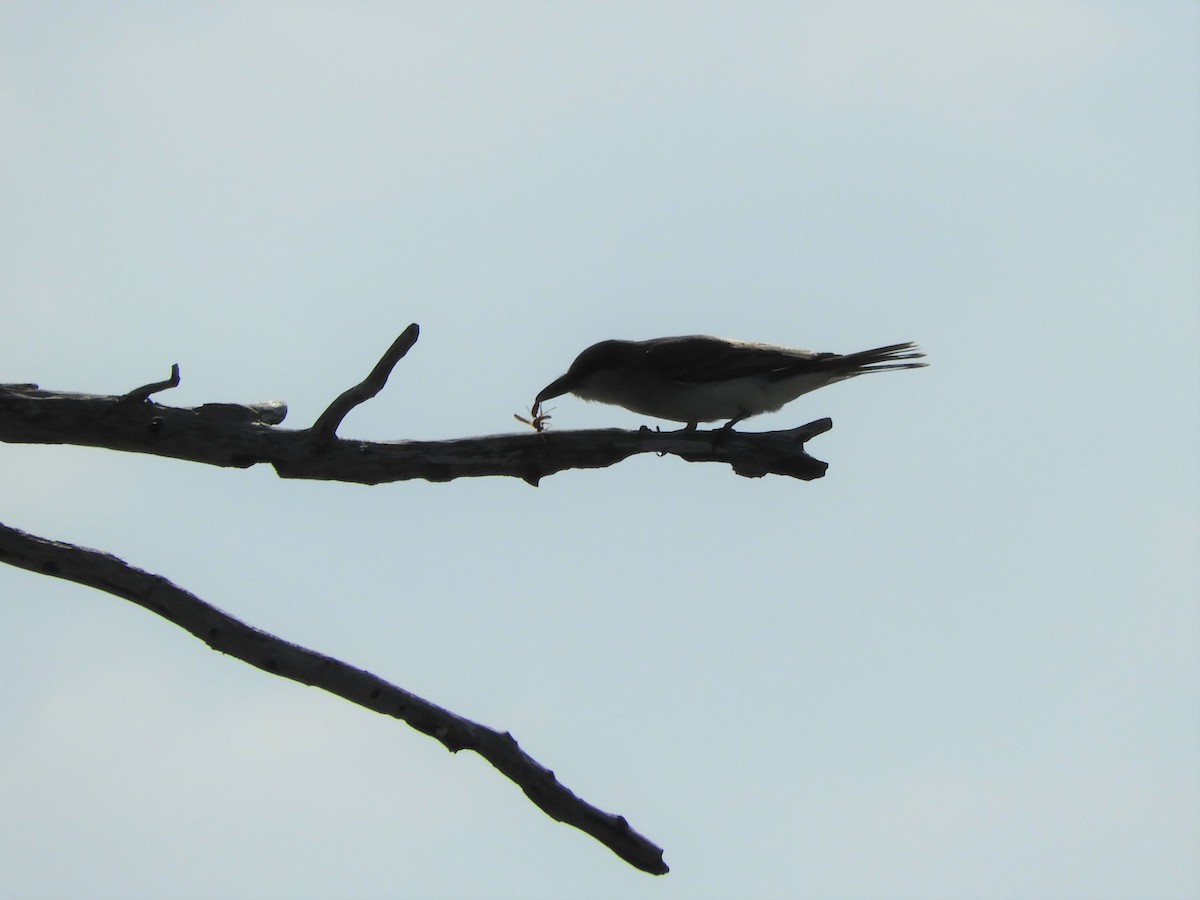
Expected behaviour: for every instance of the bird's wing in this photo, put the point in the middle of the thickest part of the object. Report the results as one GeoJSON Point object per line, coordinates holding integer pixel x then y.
{"type": "Point", "coordinates": [698, 359]}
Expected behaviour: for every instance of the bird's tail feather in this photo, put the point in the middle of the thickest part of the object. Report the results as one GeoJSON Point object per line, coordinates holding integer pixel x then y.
{"type": "Point", "coordinates": [882, 359]}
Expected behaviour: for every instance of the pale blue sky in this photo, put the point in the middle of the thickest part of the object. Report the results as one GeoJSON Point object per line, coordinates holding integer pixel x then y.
{"type": "Point", "coordinates": [964, 664]}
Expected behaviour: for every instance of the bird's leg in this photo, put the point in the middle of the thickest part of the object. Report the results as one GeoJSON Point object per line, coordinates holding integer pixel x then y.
{"type": "Point", "coordinates": [725, 430]}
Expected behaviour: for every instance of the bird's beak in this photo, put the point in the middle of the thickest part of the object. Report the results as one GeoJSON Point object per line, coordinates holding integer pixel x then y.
{"type": "Point", "coordinates": [556, 388]}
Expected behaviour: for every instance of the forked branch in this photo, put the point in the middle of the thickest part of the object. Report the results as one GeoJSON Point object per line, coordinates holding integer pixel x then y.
{"type": "Point", "coordinates": [229, 434]}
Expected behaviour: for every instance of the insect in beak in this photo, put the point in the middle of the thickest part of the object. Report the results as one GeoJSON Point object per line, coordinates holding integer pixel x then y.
{"type": "Point", "coordinates": [538, 420]}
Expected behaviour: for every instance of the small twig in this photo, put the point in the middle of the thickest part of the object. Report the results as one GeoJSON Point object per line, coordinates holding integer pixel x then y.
{"type": "Point", "coordinates": [272, 654]}
{"type": "Point", "coordinates": [141, 394]}
{"type": "Point", "coordinates": [326, 426]}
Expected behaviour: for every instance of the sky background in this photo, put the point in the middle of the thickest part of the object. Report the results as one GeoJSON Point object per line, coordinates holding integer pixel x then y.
{"type": "Point", "coordinates": [966, 663]}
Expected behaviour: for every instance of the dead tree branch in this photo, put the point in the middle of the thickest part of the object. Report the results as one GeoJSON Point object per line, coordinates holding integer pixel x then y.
{"type": "Point", "coordinates": [226, 634]}
{"type": "Point", "coordinates": [240, 436]}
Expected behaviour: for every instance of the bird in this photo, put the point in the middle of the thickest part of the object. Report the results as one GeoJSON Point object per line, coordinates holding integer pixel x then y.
{"type": "Point", "coordinates": [696, 378]}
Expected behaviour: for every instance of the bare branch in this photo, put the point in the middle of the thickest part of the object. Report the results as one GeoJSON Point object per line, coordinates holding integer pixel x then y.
{"type": "Point", "coordinates": [327, 423]}
{"type": "Point", "coordinates": [240, 436]}
{"type": "Point", "coordinates": [236, 436]}
{"type": "Point", "coordinates": [228, 635]}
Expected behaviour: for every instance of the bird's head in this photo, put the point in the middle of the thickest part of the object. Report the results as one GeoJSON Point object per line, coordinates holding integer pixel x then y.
{"type": "Point", "coordinates": [594, 363]}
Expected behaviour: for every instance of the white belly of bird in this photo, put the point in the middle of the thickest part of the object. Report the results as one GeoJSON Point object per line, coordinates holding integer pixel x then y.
{"type": "Point", "coordinates": [710, 401]}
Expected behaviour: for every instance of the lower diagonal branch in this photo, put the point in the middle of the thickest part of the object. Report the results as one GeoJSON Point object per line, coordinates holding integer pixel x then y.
{"type": "Point", "coordinates": [228, 635]}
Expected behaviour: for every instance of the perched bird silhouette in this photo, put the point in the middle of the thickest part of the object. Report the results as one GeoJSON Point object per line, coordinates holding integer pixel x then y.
{"type": "Point", "coordinates": [703, 379]}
